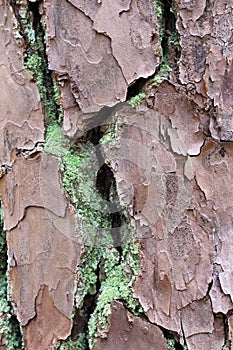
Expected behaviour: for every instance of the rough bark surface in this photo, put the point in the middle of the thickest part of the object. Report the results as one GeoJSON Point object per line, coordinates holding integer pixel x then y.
{"type": "Point", "coordinates": [171, 158]}
{"type": "Point", "coordinates": [43, 249]}
{"type": "Point", "coordinates": [125, 328]}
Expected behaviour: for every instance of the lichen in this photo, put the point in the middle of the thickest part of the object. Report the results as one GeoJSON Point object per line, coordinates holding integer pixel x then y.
{"type": "Point", "coordinates": [117, 275]}
{"type": "Point", "coordinates": [136, 100]}
{"type": "Point", "coordinates": [69, 344]}
{"type": "Point", "coordinates": [110, 131]}
{"type": "Point", "coordinates": [79, 166]}
{"type": "Point", "coordinates": [172, 344]}
{"type": "Point", "coordinates": [56, 143]}
{"type": "Point", "coordinates": [104, 270]}
{"type": "Point", "coordinates": [35, 59]}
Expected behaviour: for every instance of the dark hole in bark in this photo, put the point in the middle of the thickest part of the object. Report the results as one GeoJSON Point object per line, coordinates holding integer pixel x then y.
{"type": "Point", "coordinates": [169, 25]}
{"type": "Point", "coordinates": [136, 87]}
{"type": "Point", "coordinates": [170, 335]}
{"type": "Point", "coordinates": [83, 314]}
{"type": "Point", "coordinates": [106, 186]}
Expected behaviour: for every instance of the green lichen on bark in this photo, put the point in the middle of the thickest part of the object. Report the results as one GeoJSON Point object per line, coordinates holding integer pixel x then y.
{"type": "Point", "coordinates": [169, 39]}
{"type": "Point", "coordinates": [118, 273]}
{"type": "Point", "coordinates": [79, 166]}
{"type": "Point", "coordinates": [105, 271]}
{"type": "Point", "coordinates": [136, 100]}
{"type": "Point", "coordinates": [32, 31]}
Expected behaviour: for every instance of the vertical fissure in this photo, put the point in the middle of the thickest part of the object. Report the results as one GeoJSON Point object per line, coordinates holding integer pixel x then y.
{"type": "Point", "coordinates": [170, 39]}
{"type": "Point", "coordinates": [32, 29]}
{"type": "Point", "coordinates": [169, 24]}
{"type": "Point", "coordinates": [109, 263]}
{"type": "Point", "coordinates": [170, 53]}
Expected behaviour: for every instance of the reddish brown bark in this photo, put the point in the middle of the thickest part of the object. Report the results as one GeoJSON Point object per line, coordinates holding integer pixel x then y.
{"type": "Point", "coordinates": [172, 163]}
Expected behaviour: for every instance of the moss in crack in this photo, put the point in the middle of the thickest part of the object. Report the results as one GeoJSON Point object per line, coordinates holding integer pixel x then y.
{"type": "Point", "coordinates": [163, 73]}
{"type": "Point", "coordinates": [172, 344]}
{"type": "Point", "coordinates": [170, 41]}
{"type": "Point", "coordinates": [69, 344]}
{"type": "Point", "coordinates": [120, 275]}
{"type": "Point", "coordinates": [110, 131]}
{"type": "Point", "coordinates": [79, 180]}
{"type": "Point", "coordinates": [56, 143]}
{"type": "Point", "coordinates": [136, 100]}
{"type": "Point", "coordinates": [9, 327]}
{"type": "Point", "coordinates": [105, 272]}
{"type": "Point", "coordinates": [79, 167]}
{"type": "Point", "coordinates": [32, 29]}
{"type": "Point", "coordinates": [159, 10]}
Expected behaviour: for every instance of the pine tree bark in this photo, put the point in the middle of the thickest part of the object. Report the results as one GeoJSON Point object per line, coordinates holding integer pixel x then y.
{"type": "Point", "coordinates": [116, 173]}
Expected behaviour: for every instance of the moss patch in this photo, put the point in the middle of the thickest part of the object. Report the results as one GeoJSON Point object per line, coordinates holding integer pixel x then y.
{"type": "Point", "coordinates": [32, 30]}
{"type": "Point", "coordinates": [105, 271]}
{"type": "Point", "coordinates": [118, 274]}
{"type": "Point", "coordinates": [136, 100]}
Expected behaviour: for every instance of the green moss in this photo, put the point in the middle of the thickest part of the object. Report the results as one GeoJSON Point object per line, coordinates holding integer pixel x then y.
{"type": "Point", "coordinates": [102, 269]}
{"type": "Point", "coordinates": [136, 100]}
{"type": "Point", "coordinates": [170, 42]}
{"type": "Point", "coordinates": [162, 74]}
{"type": "Point", "coordinates": [118, 274]}
{"type": "Point", "coordinates": [56, 143]}
{"type": "Point", "coordinates": [79, 180]}
{"type": "Point", "coordinates": [8, 323]}
{"type": "Point", "coordinates": [79, 166]}
{"type": "Point", "coordinates": [69, 344]}
{"type": "Point", "coordinates": [159, 11]}
{"type": "Point", "coordinates": [35, 61]}
{"type": "Point", "coordinates": [3, 247]}
{"type": "Point", "coordinates": [110, 131]}
{"type": "Point", "coordinates": [171, 344]}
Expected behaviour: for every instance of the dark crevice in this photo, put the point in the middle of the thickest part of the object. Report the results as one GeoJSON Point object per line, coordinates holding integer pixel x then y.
{"type": "Point", "coordinates": [82, 314]}
{"type": "Point", "coordinates": [106, 183]}
{"type": "Point", "coordinates": [182, 330]}
{"type": "Point", "coordinates": [169, 26]}
{"type": "Point", "coordinates": [171, 51]}
{"type": "Point", "coordinates": [106, 186]}
{"type": "Point", "coordinates": [209, 287]}
{"type": "Point", "coordinates": [227, 340]}
{"type": "Point", "coordinates": [228, 332]}
{"type": "Point", "coordinates": [96, 127]}
{"type": "Point", "coordinates": [136, 87]}
{"type": "Point", "coordinates": [81, 318]}
{"type": "Point", "coordinates": [29, 19]}
{"type": "Point", "coordinates": [33, 7]}
{"type": "Point", "coordinates": [168, 335]}
{"type": "Point", "coordinates": [93, 135]}
{"type": "Point", "coordinates": [15, 9]}
{"type": "Point", "coordinates": [174, 337]}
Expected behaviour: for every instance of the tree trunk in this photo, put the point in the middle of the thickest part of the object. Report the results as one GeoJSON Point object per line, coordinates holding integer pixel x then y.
{"type": "Point", "coordinates": [116, 174]}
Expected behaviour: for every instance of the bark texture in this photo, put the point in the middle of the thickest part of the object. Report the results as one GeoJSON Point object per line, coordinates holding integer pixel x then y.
{"type": "Point", "coordinates": [164, 168]}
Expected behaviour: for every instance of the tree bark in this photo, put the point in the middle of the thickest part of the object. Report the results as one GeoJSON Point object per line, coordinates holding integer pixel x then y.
{"type": "Point", "coordinates": [116, 174]}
